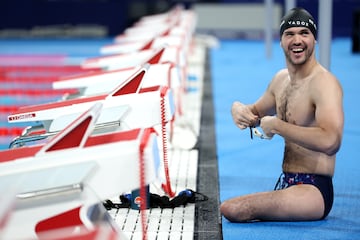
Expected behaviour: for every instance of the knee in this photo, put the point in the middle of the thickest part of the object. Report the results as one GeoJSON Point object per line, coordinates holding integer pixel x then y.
{"type": "Point", "coordinates": [231, 213]}
{"type": "Point", "coordinates": [225, 210]}
{"type": "Point", "coordinates": [237, 211]}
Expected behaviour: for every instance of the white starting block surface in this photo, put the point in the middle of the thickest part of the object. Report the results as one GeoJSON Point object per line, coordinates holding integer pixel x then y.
{"type": "Point", "coordinates": [90, 160]}
{"type": "Point", "coordinates": [105, 81]}
{"type": "Point", "coordinates": [146, 34]}
{"type": "Point", "coordinates": [164, 54]}
{"type": "Point", "coordinates": [127, 105]}
{"type": "Point", "coordinates": [75, 170]}
{"type": "Point", "coordinates": [121, 48]}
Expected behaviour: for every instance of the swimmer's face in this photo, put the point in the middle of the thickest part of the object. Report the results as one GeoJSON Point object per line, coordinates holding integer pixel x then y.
{"type": "Point", "coordinates": [298, 44]}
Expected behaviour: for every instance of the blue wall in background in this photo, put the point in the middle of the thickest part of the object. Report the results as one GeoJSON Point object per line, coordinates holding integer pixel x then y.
{"type": "Point", "coordinates": [25, 14]}
{"type": "Point", "coordinates": [116, 15]}
{"type": "Point", "coordinates": [342, 12]}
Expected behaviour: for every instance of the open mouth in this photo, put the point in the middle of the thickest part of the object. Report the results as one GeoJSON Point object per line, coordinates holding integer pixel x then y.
{"type": "Point", "coordinates": [297, 50]}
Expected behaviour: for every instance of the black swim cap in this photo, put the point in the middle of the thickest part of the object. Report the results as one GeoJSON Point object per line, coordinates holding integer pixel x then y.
{"type": "Point", "coordinates": [298, 17]}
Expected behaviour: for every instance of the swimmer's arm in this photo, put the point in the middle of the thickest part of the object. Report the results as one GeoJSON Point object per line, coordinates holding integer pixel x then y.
{"type": "Point", "coordinates": [266, 104]}
{"type": "Point", "coordinates": [326, 135]}
{"type": "Point", "coordinates": [245, 116]}
{"type": "Point", "coordinates": [249, 115]}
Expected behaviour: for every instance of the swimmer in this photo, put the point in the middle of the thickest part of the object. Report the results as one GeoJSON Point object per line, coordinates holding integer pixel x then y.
{"type": "Point", "coordinates": [303, 104]}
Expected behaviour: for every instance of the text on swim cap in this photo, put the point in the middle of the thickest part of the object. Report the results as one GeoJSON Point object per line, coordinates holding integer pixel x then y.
{"type": "Point", "coordinates": [298, 23]}
{"type": "Point", "coordinates": [301, 23]}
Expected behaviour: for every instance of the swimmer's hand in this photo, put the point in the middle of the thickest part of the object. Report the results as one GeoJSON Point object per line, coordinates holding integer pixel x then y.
{"type": "Point", "coordinates": [266, 125]}
{"type": "Point", "coordinates": [256, 132]}
{"type": "Point", "coordinates": [243, 116]}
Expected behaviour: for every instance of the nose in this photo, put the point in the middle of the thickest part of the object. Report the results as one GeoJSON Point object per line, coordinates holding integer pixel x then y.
{"type": "Point", "coordinates": [297, 39]}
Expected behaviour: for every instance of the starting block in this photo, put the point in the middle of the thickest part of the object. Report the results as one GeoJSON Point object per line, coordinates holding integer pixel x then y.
{"type": "Point", "coordinates": [139, 45]}
{"type": "Point", "coordinates": [105, 81]}
{"type": "Point", "coordinates": [76, 170]}
{"type": "Point", "coordinates": [125, 106]}
{"type": "Point", "coordinates": [164, 54]}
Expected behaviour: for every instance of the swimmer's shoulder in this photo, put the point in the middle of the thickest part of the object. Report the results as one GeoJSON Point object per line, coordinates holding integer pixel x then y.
{"type": "Point", "coordinates": [280, 76]}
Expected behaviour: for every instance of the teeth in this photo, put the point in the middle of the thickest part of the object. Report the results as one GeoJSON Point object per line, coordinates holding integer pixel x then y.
{"type": "Point", "coordinates": [297, 49]}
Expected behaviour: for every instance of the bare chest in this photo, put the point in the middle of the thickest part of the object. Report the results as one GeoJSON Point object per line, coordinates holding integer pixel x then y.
{"type": "Point", "coordinates": [294, 105]}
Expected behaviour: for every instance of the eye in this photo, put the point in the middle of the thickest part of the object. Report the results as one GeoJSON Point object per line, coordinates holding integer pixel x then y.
{"type": "Point", "coordinates": [305, 32]}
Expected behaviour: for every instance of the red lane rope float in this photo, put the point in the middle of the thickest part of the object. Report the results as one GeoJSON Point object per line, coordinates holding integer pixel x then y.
{"type": "Point", "coordinates": [18, 131]}
{"type": "Point", "coordinates": [32, 58]}
{"type": "Point", "coordinates": [11, 131]}
{"type": "Point", "coordinates": [36, 92]}
{"type": "Point", "coordinates": [23, 73]}
{"type": "Point", "coordinates": [17, 80]}
{"type": "Point", "coordinates": [8, 109]}
{"type": "Point", "coordinates": [167, 186]}
{"type": "Point", "coordinates": [41, 68]}
{"type": "Point", "coordinates": [143, 193]}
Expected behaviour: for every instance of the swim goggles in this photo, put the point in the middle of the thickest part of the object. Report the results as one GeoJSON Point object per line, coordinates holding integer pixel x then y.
{"type": "Point", "coordinates": [258, 133]}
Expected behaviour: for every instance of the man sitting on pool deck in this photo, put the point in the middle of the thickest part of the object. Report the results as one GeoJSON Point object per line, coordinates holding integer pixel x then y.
{"type": "Point", "coordinates": [303, 104]}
